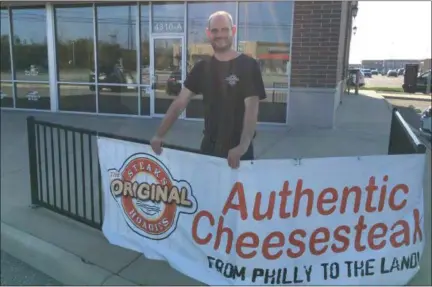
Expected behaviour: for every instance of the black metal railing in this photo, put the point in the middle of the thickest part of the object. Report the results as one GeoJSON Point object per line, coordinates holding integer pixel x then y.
{"type": "Point", "coordinates": [65, 174]}
{"type": "Point", "coordinates": [402, 139]}
{"type": "Point", "coordinates": [279, 96]}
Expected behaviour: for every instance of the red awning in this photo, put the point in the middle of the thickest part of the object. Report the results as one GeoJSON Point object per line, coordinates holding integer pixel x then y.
{"type": "Point", "coordinates": [274, 57]}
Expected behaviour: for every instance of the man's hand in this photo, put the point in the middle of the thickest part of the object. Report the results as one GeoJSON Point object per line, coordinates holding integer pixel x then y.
{"type": "Point", "coordinates": [234, 156]}
{"type": "Point", "coordinates": [156, 144]}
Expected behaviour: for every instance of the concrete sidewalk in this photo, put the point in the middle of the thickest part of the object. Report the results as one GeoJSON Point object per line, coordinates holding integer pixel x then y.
{"type": "Point", "coordinates": [75, 254]}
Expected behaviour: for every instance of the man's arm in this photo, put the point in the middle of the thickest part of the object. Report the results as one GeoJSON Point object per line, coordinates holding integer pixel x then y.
{"type": "Point", "coordinates": [255, 92]}
{"type": "Point", "coordinates": [249, 121]}
{"type": "Point", "coordinates": [174, 111]}
{"type": "Point", "coordinates": [249, 124]}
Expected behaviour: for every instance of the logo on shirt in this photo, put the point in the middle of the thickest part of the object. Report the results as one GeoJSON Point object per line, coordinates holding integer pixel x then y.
{"type": "Point", "coordinates": [151, 199]}
{"type": "Point", "coordinates": [232, 80]}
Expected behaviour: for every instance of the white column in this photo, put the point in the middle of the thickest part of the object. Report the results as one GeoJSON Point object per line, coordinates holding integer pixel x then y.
{"type": "Point", "coordinates": [138, 54]}
{"type": "Point", "coordinates": [11, 39]}
{"type": "Point", "coordinates": [428, 84]}
{"type": "Point", "coordinates": [288, 68]}
{"type": "Point", "coordinates": [95, 55]}
{"type": "Point", "coordinates": [52, 59]}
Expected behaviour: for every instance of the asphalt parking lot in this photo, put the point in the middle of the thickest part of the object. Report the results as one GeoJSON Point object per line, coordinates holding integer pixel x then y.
{"type": "Point", "coordinates": [384, 81]}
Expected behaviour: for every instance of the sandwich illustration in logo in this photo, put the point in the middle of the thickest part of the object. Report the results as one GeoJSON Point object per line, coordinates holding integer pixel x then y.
{"type": "Point", "coordinates": [151, 200]}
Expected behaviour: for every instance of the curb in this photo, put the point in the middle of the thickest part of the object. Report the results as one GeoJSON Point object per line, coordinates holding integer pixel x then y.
{"type": "Point", "coordinates": [55, 262]}
{"type": "Point", "coordinates": [389, 105]}
{"type": "Point", "coordinates": [407, 98]}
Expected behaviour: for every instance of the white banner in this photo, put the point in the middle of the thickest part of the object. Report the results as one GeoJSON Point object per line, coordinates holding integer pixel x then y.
{"type": "Point", "coordinates": [324, 221]}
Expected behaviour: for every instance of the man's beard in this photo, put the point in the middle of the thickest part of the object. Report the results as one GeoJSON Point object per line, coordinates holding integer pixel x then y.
{"type": "Point", "coordinates": [220, 49]}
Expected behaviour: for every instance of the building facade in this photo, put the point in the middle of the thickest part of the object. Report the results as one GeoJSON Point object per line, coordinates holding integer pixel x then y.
{"type": "Point", "coordinates": [128, 58]}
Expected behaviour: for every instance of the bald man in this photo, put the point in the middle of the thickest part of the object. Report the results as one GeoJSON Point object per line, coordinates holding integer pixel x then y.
{"type": "Point", "coordinates": [231, 84]}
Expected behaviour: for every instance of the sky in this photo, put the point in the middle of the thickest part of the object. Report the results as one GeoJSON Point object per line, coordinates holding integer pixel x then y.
{"type": "Point", "coordinates": [391, 30]}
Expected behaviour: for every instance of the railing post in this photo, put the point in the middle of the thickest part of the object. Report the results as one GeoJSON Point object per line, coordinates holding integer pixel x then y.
{"type": "Point", "coordinates": [428, 84]}
{"type": "Point", "coordinates": [402, 139]}
{"type": "Point", "coordinates": [357, 83]}
{"type": "Point", "coordinates": [31, 134]}
{"type": "Point", "coordinates": [392, 133]}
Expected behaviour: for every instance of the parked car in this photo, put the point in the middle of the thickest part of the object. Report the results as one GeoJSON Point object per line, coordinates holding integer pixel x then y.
{"type": "Point", "coordinates": [33, 96]}
{"type": "Point", "coordinates": [367, 73]}
{"type": "Point", "coordinates": [401, 71]}
{"type": "Point", "coordinates": [421, 83]}
{"type": "Point", "coordinates": [32, 71]}
{"type": "Point", "coordinates": [2, 95]}
{"type": "Point", "coordinates": [174, 83]}
{"type": "Point", "coordinates": [426, 123]}
{"type": "Point", "coordinates": [374, 72]}
{"type": "Point", "coordinates": [392, 73]}
{"type": "Point", "coordinates": [353, 73]}
{"type": "Point", "coordinates": [112, 75]}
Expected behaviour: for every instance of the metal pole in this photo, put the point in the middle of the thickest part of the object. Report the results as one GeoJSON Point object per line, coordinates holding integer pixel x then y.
{"type": "Point", "coordinates": [73, 53]}
{"type": "Point", "coordinates": [31, 142]}
{"type": "Point", "coordinates": [428, 84]}
{"type": "Point", "coordinates": [357, 82]}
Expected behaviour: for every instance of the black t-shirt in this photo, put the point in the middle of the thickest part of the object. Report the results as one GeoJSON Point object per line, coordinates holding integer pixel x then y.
{"type": "Point", "coordinates": [225, 85]}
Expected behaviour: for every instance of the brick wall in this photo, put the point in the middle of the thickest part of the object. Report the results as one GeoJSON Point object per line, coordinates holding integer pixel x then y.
{"type": "Point", "coordinates": [315, 43]}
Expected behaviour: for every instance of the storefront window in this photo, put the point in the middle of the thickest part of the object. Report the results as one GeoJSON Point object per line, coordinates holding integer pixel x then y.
{"type": "Point", "coordinates": [168, 17]}
{"type": "Point", "coordinates": [30, 57]}
{"type": "Point", "coordinates": [5, 63]}
{"type": "Point", "coordinates": [75, 57]}
{"type": "Point", "coordinates": [117, 59]}
{"type": "Point", "coordinates": [6, 88]}
{"type": "Point", "coordinates": [33, 96]}
{"type": "Point", "coordinates": [74, 43]}
{"type": "Point", "coordinates": [264, 33]}
{"type": "Point", "coordinates": [6, 94]}
{"type": "Point", "coordinates": [167, 43]}
{"type": "Point", "coordinates": [104, 63]}
{"type": "Point", "coordinates": [198, 46]}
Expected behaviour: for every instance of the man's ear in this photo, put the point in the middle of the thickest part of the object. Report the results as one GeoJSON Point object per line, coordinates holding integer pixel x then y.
{"type": "Point", "coordinates": [234, 30]}
{"type": "Point", "coordinates": [208, 33]}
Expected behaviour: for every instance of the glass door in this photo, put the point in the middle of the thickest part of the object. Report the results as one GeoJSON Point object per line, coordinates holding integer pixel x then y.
{"type": "Point", "coordinates": [167, 72]}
